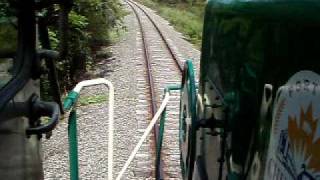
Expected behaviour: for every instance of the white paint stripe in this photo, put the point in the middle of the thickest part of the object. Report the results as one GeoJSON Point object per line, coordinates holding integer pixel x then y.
{"type": "Point", "coordinates": [144, 136]}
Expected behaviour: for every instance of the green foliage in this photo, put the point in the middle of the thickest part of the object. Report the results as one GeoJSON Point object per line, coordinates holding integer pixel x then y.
{"type": "Point", "coordinates": [8, 38]}
{"type": "Point", "coordinates": [53, 39]}
{"type": "Point", "coordinates": [90, 23]}
{"type": "Point", "coordinates": [8, 31]}
{"type": "Point", "coordinates": [102, 17]}
{"type": "Point", "coordinates": [185, 17]}
{"type": "Point", "coordinates": [78, 22]}
{"type": "Point", "coordinates": [95, 99]}
{"type": "Point", "coordinates": [4, 10]}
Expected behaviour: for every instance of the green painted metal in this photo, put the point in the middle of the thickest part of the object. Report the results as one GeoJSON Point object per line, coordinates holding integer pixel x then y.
{"type": "Point", "coordinates": [246, 44]}
{"type": "Point", "coordinates": [188, 100]}
{"type": "Point", "coordinates": [69, 102]}
{"type": "Point", "coordinates": [73, 146]}
{"type": "Point", "coordinates": [160, 139]}
{"type": "Point", "coordinates": [161, 127]}
{"type": "Point", "coordinates": [159, 145]}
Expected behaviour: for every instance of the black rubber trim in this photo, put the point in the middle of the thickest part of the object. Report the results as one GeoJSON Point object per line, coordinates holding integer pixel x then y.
{"type": "Point", "coordinates": [25, 52]}
{"type": "Point", "coordinates": [39, 109]}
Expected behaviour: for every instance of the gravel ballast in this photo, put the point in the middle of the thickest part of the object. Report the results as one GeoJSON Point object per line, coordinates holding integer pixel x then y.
{"type": "Point", "coordinates": [123, 70]}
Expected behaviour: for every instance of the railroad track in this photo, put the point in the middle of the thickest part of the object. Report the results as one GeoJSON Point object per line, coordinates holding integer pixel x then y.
{"type": "Point", "coordinates": [162, 67]}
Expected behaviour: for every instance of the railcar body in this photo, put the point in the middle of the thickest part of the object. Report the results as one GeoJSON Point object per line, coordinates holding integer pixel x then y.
{"type": "Point", "coordinates": [254, 115]}
{"type": "Point", "coordinates": [258, 102]}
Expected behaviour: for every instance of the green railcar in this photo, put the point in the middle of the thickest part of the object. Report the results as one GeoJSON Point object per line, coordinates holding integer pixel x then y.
{"type": "Point", "coordinates": [255, 113]}
{"type": "Point", "coordinates": [258, 102]}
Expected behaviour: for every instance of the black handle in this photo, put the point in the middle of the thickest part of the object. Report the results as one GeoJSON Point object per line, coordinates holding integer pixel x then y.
{"type": "Point", "coordinates": [39, 109]}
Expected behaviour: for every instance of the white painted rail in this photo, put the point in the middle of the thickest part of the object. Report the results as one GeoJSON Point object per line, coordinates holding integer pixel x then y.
{"type": "Point", "coordinates": [93, 82]}
{"type": "Point", "coordinates": [98, 81]}
{"type": "Point", "coordinates": [145, 135]}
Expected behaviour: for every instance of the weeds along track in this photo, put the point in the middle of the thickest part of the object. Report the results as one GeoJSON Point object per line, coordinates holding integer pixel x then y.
{"type": "Point", "coordinates": [161, 67]}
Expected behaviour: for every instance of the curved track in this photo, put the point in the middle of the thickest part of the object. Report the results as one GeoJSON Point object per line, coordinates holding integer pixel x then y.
{"type": "Point", "coordinates": [162, 68]}
{"type": "Point", "coordinates": [172, 53]}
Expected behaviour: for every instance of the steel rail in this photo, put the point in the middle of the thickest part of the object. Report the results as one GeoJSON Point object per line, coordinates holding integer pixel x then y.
{"type": "Point", "coordinates": [173, 55]}
{"type": "Point", "coordinates": [151, 86]}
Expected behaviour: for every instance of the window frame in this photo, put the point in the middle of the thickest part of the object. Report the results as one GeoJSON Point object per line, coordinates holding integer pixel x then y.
{"type": "Point", "coordinates": [25, 52]}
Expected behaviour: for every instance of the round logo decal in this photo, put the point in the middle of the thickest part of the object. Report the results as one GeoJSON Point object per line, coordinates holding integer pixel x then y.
{"type": "Point", "coordinates": [294, 148]}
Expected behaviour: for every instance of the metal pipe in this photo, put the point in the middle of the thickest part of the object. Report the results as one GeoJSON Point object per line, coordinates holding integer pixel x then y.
{"type": "Point", "coordinates": [93, 82]}
{"type": "Point", "coordinates": [73, 145]}
{"type": "Point", "coordinates": [168, 89]}
{"type": "Point", "coordinates": [145, 135]}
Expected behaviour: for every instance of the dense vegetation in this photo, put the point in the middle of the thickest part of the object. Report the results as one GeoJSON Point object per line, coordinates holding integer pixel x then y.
{"type": "Point", "coordinates": [8, 33]}
{"type": "Point", "coordinates": [185, 15]}
{"type": "Point", "coordinates": [90, 24]}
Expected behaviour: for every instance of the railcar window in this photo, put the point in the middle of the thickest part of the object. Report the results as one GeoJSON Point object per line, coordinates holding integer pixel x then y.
{"type": "Point", "coordinates": [8, 43]}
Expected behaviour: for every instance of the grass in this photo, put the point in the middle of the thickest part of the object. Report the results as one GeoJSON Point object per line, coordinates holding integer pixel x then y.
{"type": "Point", "coordinates": [115, 34]}
{"type": "Point", "coordinates": [186, 18]}
{"type": "Point", "coordinates": [94, 99]}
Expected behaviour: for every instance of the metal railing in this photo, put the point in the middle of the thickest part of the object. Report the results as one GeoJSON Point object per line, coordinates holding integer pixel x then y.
{"type": "Point", "coordinates": [161, 113]}
{"type": "Point", "coordinates": [69, 102]}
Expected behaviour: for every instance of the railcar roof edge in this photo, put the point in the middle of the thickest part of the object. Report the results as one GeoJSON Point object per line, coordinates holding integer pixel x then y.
{"type": "Point", "coordinates": [298, 10]}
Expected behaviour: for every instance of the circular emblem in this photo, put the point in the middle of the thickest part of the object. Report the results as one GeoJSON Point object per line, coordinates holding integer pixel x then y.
{"type": "Point", "coordinates": [294, 148]}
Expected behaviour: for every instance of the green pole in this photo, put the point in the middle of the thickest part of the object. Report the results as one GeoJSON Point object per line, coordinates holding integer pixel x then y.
{"type": "Point", "coordinates": [160, 138]}
{"type": "Point", "coordinates": [73, 145]}
{"type": "Point", "coordinates": [161, 129]}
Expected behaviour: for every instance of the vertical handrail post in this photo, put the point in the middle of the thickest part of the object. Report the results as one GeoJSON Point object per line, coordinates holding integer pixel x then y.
{"type": "Point", "coordinates": [69, 102]}
{"type": "Point", "coordinates": [73, 145]}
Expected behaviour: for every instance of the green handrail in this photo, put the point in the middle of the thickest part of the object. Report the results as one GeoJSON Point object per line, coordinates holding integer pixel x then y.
{"type": "Point", "coordinates": [161, 128]}
{"type": "Point", "coordinates": [73, 145]}
{"type": "Point", "coordinates": [190, 75]}
{"type": "Point", "coordinates": [69, 102]}
{"type": "Point", "coordinates": [192, 99]}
